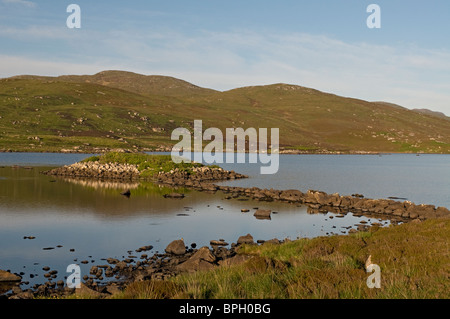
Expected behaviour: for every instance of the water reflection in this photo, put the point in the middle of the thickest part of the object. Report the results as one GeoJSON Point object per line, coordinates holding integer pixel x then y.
{"type": "Point", "coordinates": [98, 184]}
{"type": "Point", "coordinates": [90, 220]}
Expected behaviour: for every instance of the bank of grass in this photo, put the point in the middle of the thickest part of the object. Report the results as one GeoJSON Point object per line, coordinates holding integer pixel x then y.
{"type": "Point", "coordinates": [414, 260]}
{"type": "Point", "coordinates": [147, 164]}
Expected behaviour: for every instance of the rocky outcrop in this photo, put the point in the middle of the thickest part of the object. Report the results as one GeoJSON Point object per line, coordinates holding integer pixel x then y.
{"type": "Point", "coordinates": [196, 177]}
{"type": "Point", "coordinates": [97, 170]}
{"type": "Point", "coordinates": [199, 177]}
{"type": "Point", "coordinates": [6, 276]}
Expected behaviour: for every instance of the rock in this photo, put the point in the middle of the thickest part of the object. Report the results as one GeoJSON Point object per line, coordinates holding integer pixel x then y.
{"type": "Point", "coordinates": [112, 261]}
{"type": "Point", "coordinates": [292, 195]}
{"type": "Point", "coordinates": [274, 241]}
{"type": "Point", "coordinates": [22, 295]}
{"type": "Point", "coordinates": [93, 270]}
{"type": "Point", "coordinates": [174, 195]}
{"type": "Point", "coordinates": [177, 247]}
{"type": "Point", "coordinates": [247, 239]}
{"type": "Point", "coordinates": [144, 248]}
{"type": "Point", "coordinates": [244, 210]}
{"type": "Point", "coordinates": [6, 276]}
{"type": "Point", "coordinates": [235, 260]}
{"type": "Point", "coordinates": [262, 214]}
{"type": "Point", "coordinates": [203, 259]}
{"type": "Point", "coordinates": [218, 243]}
{"type": "Point", "coordinates": [442, 211]}
{"type": "Point", "coordinates": [88, 293]}
{"type": "Point", "coordinates": [126, 193]}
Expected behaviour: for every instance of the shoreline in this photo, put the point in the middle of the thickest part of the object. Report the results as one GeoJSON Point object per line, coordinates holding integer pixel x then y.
{"type": "Point", "coordinates": [101, 150]}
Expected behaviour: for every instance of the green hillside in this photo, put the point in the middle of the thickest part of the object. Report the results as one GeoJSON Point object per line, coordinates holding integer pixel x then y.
{"type": "Point", "coordinates": [115, 109]}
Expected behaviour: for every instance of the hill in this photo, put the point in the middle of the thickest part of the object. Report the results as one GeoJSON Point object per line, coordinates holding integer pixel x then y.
{"type": "Point", "coordinates": [132, 82]}
{"type": "Point", "coordinates": [115, 109]}
{"type": "Point", "coordinates": [433, 113]}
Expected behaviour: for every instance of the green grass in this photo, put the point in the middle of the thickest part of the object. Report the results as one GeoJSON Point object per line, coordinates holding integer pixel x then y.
{"type": "Point", "coordinates": [148, 165]}
{"type": "Point", "coordinates": [414, 259]}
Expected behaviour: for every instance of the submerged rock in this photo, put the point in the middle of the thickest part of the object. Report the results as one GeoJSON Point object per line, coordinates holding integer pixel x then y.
{"type": "Point", "coordinates": [174, 195]}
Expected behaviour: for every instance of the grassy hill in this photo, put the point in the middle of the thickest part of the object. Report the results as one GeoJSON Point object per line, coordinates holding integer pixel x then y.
{"type": "Point", "coordinates": [115, 109]}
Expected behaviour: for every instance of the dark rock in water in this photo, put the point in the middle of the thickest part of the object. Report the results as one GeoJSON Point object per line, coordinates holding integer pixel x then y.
{"type": "Point", "coordinates": [48, 248]}
{"type": "Point", "coordinates": [174, 195]}
{"type": "Point", "coordinates": [262, 214]}
{"type": "Point", "coordinates": [247, 239]}
{"type": "Point", "coordinates": [177, 247]}
{"type": "Point", "coordinates": [112, 260]}
{"type": "Point", "coordinates": [126, 193]}
{"type": "Point", "coordinates": [144, 248]}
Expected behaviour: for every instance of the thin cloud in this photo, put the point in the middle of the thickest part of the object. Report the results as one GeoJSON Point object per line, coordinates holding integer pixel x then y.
{"type": "Point", "coordinates": [25, 3]}
{"type": "Point", "coordinates": [410, 76]}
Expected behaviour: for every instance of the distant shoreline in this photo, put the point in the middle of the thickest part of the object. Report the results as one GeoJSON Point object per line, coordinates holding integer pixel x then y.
{"type": "Point", "coordinates": [282, 152]}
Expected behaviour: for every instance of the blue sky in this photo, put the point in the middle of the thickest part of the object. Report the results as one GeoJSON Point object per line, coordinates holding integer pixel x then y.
{"type": "Point", "coordinates": [323, 44]}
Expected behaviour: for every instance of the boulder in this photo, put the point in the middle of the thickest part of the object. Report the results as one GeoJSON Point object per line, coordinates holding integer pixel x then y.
{"type": "Point", "coordinates": [177, 247]}
{"type": "Point", "coordinates": [203, 259]}
{"type": "Point", "coordinates": [247, 239]}
{"type": "Point", "coordinates": [262, 213]}
{"type": "Point", "coordinates": [442, 211]}
{"type": "Point", "coordinates": [6, 276]}
{"type": "Point", "coordinates": [235, 260]}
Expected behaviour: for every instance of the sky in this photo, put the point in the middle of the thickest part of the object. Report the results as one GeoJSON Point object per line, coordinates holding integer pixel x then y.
{"type": "Point", "coordinates": [322, 44]}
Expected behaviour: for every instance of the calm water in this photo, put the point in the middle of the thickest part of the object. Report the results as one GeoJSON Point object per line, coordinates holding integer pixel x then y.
{"type": "Point", "coordinates": [97, 222]}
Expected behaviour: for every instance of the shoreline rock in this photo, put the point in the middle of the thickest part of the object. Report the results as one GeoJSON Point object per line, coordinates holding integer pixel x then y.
{"type": "Point", "coordinates": [155, 267]}
{"type": "Point", "coordinates": [203, 178]}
